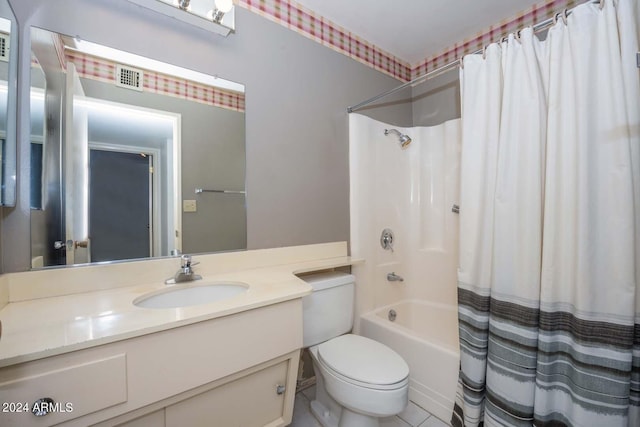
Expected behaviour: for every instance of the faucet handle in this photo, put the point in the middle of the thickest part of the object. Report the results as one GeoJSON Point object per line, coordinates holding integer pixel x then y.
{"type": "Point", "coordinates": [386, 239]}
{"type": "Point", "coordinates": [185, 261]}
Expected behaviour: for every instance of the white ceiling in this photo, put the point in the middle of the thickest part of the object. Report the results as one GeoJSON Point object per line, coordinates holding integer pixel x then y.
{"type": "Point", "coordinates": [414, 30]}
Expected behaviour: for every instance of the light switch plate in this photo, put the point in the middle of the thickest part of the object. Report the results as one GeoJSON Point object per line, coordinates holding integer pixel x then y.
{"type": "Point", "coordinates": [189, 206]}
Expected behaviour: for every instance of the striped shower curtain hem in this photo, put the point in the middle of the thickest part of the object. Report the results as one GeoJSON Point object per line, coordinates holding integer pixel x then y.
{"type": "Point", "coordinates": [587, 362]}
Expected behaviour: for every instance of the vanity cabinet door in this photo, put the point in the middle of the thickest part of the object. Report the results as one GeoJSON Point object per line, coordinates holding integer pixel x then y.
{"type": "Point", "coordinates": [251, 401]}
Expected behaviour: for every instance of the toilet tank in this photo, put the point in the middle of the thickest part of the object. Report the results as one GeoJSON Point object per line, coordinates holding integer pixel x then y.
{"type": "Point", "coordinates": [328, 311]}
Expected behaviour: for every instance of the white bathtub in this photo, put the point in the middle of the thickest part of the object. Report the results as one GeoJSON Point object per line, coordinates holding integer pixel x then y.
{"type": "Point", "coordinates": [426, 336]}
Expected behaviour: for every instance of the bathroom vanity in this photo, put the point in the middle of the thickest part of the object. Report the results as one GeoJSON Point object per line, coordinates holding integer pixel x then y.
{"type": "Point", "coordinates": [104, 361]}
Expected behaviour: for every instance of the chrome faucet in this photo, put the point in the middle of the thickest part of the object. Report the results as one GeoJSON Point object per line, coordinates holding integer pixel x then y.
{"type": "Point", "coordinates": [393, 277]}
{"type": "Point", "coordinates": [185, 274]}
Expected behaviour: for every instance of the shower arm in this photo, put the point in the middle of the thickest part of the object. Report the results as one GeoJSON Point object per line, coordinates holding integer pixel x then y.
{"type": "Point", "coordinates": [404, 139]}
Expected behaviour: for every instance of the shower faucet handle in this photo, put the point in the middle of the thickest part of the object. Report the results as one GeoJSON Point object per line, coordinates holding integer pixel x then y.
{"type": "Point", "coordinates": [386, 239]}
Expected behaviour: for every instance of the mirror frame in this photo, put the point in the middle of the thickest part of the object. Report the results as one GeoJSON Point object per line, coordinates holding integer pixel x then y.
{"type": "Point", "coordinates": [9, 169]}
{"type": "Point", "coordinates": [241, 105]}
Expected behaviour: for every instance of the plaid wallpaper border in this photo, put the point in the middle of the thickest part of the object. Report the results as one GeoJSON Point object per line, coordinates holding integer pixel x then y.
{"type": "Point", "coordinates": [533, 15]}
{"type": "Point", "coordinates": [100, 69]}
{"type": "Point", "coordinates": [296, 17]}
{"type": "Point", "coordinates": [311, 25]}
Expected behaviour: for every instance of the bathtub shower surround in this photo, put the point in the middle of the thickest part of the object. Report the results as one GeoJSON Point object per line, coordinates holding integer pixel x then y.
{"type": "Point", "coordinates": [409, 190]}
{"type": "Point", "coordinates": [549, 304]}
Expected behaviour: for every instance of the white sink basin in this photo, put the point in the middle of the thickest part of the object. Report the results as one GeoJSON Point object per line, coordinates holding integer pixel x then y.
{"type": "Point", "coordinates": [187, 295]}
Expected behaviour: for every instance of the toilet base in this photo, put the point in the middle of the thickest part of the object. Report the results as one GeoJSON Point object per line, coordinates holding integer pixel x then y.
{"type": "Point", "coordinates": [347, 418]}
{"type": "Point", "coordinates": [323, 407]}
{"type": "Point", "coordinates": [353, 419]}
{"type": "Point", "coordinates": [325, 417]}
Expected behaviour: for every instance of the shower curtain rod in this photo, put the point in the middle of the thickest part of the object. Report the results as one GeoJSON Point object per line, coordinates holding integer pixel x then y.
{"type": "Point", "coordinates": [537, 28]}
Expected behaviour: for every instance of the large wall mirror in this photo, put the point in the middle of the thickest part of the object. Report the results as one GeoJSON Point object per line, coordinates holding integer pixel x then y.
{"type": "Point", "coordinates": [8, 78]}
{"type": "Point", "coordinates": [130, 157]}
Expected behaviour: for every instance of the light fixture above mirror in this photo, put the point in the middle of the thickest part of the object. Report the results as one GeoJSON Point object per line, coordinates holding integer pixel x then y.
{"type": "Point", "coordinates": [220, 9]}
{"type": "Point", "coordinates": [217, 16]}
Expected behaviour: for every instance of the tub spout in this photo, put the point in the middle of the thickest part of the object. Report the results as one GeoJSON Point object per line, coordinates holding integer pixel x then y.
{"type": "Point", "coordinates": [393, 277]}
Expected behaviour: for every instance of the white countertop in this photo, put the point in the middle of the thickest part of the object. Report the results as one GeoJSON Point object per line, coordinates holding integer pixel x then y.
{"type": "Point", "coordinates": [38, 328]}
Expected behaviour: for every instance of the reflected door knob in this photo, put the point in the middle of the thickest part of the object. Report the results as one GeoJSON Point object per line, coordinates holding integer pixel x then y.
{"type": "Point", "coordinates": [59, 244]}
{"type": "Point", "coordinates": [75, 244]}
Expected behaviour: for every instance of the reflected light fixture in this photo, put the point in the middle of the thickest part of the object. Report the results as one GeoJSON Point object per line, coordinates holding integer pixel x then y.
{"type": "Point", "coordinates": [221, 7]}
{"type": "Point", "coordinates": [220, 19]}
{"type": "Point", "coordinates": [182, 4]}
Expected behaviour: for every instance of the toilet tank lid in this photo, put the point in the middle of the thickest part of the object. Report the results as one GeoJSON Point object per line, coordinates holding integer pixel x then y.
{"type": "Point", "coordinates": [328, 279]}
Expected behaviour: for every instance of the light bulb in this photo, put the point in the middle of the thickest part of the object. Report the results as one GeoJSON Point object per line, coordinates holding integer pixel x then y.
{"type": "Point", "coordinates": [182, 4]}
{"type": "Point", "coordinates": [224, 6]}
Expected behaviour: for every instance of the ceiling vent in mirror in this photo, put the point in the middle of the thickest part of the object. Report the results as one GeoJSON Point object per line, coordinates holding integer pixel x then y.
{"type": "Point", "coordinates": [130, 78]}
{"type": "Point", "coordinates": [4, 47]}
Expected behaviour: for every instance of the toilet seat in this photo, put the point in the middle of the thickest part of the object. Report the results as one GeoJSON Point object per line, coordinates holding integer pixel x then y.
{"type": "Point", "coordinates": [363, 362]}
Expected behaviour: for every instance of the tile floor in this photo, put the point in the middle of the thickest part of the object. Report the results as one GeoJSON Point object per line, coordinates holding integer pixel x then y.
{"type": "Point", "coordinates": [413, 416]}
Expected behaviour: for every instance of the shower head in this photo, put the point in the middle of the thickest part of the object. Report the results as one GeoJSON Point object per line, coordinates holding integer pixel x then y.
{"type": "Point", "coordinates": [404, 139]}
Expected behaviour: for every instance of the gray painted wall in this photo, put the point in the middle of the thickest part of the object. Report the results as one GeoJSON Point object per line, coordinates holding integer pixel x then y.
{"type": "Point", "coordinates": [437, 100]}
{"type": "Point", "coordinates": [296, 122]}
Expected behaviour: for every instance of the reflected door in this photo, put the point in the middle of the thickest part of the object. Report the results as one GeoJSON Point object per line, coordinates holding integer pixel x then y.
{"type": "Point", "coordinates": [120, 201]}
{"type": "Point", "coordinates": [76, 173]}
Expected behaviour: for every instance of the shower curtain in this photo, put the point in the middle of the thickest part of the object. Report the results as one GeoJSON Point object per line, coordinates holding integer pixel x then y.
{"type": "Point", "coordinates": [549, 269]}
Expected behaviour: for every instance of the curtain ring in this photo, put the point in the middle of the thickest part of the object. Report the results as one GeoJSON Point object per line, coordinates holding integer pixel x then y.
{"type": "Point", "coordinates": [461, 60]}
{"type": "Point", "coordinates": [484, 52]}
{"type": "Point", "coordinates": [564, 14]}
{"type": "Point", "coordinates": [601, 4]}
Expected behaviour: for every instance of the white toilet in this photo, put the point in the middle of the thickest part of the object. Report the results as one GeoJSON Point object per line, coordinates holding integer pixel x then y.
{"type": "Point", "coordinates": [358, 380]}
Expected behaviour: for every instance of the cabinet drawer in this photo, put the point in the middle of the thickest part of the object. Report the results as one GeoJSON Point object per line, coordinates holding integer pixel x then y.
{"type": "Point", "coordinates": [76, 390]}
{"type": "Point", "coordinates": [250, 401]}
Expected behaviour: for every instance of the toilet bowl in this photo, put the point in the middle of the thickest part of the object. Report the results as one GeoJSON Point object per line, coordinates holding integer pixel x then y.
{"type": "Point", "coordinates": [366, 380]}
